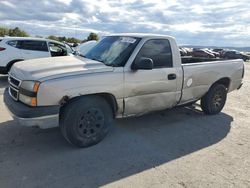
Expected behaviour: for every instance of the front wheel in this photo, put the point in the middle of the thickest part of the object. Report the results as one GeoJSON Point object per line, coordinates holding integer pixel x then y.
{"type": "Point", "coordinates": [86, 121]}
{"type": "Point", "coordinates": [215, 99]}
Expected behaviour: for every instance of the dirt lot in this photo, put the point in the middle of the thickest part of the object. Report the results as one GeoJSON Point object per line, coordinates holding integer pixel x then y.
{"type": "Point", "coordinates": [173, 148]}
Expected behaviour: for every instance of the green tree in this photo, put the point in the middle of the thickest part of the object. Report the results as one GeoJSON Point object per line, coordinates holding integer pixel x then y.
{"type": "Point", "coordinates": [93, 36]}
{"type": "Point", "coordinates": [13, 32]}
{"type": "Point", "coordinates": [53, 37]}
{"type": "Point", "coordinates": [4, 31]}
{"type": "Point", "coordinates": [73, 40]}
{"type": "Point", "coordinates": [64, 39]}
{"type": "Point", "coordinates": [16, 32]}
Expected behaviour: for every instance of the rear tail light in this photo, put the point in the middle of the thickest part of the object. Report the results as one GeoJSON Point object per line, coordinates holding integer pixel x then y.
{"type": "Point", "coordinates": [2, 49]}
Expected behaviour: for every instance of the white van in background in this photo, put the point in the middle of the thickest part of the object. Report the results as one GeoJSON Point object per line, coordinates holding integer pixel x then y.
{"type": "Point", "coordinates": [14, 49]}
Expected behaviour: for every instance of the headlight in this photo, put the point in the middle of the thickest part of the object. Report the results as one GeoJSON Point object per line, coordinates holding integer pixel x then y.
{"type": "Point", "coordinates": [30, 85]}
{"type": "Point", "coordinates": [31, 101]}
{"type": "Point", "coordinates": [28, 92]}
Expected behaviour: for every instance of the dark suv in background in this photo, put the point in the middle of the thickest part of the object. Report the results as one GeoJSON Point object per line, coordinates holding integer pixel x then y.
{"type": "Point", "coordinates": [233, 54]}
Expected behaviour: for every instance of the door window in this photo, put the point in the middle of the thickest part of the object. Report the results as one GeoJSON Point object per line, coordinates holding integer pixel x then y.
{"type": "Point", "coordinates": [32, 45]}
{"type": "Point", "coordinates": [159, 50]}
{"type": "Point", "coordinates": [13, 43]}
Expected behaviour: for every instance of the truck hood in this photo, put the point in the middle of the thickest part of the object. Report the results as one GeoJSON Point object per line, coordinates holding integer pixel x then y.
{"type": "Point", "coordinates": [51, 68]}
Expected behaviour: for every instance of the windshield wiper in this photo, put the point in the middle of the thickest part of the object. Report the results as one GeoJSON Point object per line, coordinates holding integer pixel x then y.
{"type": "Point", "coordinates": [95, 59]}
{"type": "Point", "coordinates": [102, 61]}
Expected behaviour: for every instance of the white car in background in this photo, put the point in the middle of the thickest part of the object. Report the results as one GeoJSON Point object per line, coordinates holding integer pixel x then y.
{"type": "Point", "coordinates": [85, 47]}
{"type": "Point", "coordinates": [14, 49]}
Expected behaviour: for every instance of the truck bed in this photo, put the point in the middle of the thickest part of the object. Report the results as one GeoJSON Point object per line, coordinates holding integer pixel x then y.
{"type": "Point", "coordinates": [199, 76]}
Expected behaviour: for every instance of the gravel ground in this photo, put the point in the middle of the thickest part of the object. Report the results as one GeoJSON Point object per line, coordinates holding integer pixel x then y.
{"type": "Point", "coordinates": [173, 148]}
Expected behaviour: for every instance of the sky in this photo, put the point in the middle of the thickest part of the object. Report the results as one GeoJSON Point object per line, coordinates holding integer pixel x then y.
{"type": "Point", "coordinates": [194, 22]}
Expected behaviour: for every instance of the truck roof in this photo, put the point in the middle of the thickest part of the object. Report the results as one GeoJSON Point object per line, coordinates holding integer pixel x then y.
{"type": "Point", "coordinates": [140, 35]}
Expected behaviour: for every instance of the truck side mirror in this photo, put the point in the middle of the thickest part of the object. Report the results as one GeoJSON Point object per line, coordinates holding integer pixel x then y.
{"type": "Point", "coordinates": [143, 64]}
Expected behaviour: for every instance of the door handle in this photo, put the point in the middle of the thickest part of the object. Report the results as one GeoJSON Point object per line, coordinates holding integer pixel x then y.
{"type": "Point", "coordinates": [172, 76]}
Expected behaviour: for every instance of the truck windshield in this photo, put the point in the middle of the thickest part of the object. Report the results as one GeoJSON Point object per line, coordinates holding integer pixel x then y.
{"type": "Point", "coordinates": [113, 50]}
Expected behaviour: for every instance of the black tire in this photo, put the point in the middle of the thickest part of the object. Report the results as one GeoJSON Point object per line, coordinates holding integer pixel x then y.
{"type": "Point", "coordinates": [86, 121]}
{"type": "Point", "coordinates": [215, 99]}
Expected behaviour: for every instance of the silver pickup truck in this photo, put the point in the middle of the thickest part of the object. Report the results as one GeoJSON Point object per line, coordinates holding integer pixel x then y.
{"type": "Point", "coordinates": [123, 75]}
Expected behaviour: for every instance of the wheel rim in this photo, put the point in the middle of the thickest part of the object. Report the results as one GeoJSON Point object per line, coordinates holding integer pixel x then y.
{"type": "Point", "coordinates": [218, 100]}
{"type": "Point", "coordinates": [90, 123]}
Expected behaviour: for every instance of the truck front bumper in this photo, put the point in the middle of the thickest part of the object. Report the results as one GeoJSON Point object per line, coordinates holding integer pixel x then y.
{"type": "Point", "coordinates": [43, 116]}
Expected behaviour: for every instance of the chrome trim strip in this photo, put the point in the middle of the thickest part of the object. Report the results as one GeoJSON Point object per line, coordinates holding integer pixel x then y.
{"type": "Point", "coordinates": [15, 98]}
{"type": "Point", "coordinates": [15, 79]}
{"type": "Point", "coordinates": [13, 85]}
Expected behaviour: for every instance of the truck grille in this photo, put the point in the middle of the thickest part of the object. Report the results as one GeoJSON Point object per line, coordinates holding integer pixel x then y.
{"type": "Point", "coordinates": [13, 81]}
{"type": "Point", "coordinates": [13, 93]}
{"type": "Point", "coordinates": [14, 85]}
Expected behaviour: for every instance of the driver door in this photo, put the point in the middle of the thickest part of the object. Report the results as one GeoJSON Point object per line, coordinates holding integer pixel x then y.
{"type": "Point", "coordinates": [151, 90]}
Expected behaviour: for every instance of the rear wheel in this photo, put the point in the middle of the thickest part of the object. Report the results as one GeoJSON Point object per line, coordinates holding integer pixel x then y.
{"type": "Point", "coordinates": [86, 121]}
{"type": "Point", "coordinates": [215, 99]}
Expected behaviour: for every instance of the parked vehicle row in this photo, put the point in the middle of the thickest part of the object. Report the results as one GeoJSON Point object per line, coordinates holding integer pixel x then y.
{"type": "Point", "coordinates": [233, 54]}
{"type": "Point", "coordinates": [213, 53]}
{"type": "Point", "coordinates": [203, 53]}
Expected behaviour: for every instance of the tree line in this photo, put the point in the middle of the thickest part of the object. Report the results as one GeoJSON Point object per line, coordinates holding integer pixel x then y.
{"type": "Point", "coordinates": [92, 36]}
{"type": "Point", "coordinates": [17, 32]}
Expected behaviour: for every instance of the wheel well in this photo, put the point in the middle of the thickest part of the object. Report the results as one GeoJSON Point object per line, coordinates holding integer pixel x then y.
{"type": "Point", "coordinates": [9, 65]}
{"type": "Point", "coordinates": [111, 100]}
{"type": "Point", "coordinates": [224, 81]}
{"type": "Point", "coordinates": [106, 96]}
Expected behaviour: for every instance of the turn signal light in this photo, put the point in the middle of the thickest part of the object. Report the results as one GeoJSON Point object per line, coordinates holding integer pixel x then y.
{"type": "Point", "coordinates": [33, 101]}
{"type": "Point", "coordinates": [2, 49]}
{"type": "Point", "coordinates": [36, 87]}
